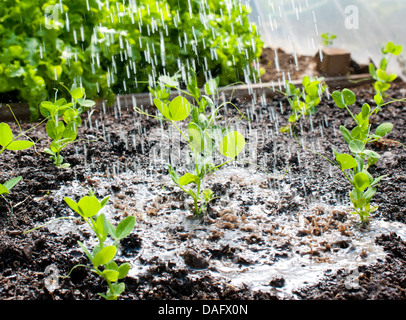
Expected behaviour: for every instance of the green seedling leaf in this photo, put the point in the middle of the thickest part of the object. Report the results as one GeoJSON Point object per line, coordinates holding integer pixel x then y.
{"type": "Point", "coordinates": [377, 180]}
{"type": "Point", "coordinates": [356, 146]}
{"type": "Point", "coordinates": [104, 256]}
{"type": "Point", "coordinates": [361, 181]}
{"type": "Point", "coordinates": [366, 109]}
{"type": "Point", "coordinates": [338, 99]}
{"type": "Point", "coordinates": [89, 206]}
{"type": "Point", "coordinates": [179, 109]}
{"type": "Point", "coordinates": [125, 227]}
{"type": "Point", "coordinates": [12, 182]}
{"type": "Point", "coordinates": [6, 139]}
{"type": "Point", "coordinates": [104, 201]}
{"type": "Point", "coordinates": [383, 64]}
{"type": "Point", "coordinates": [392, 48]}
{"type": "Point", "coordinates": [87, 252]}
{"type": "Point", "coordinates": [19, 145]}
{"type": "Point", "coordinates": [358, 133]}
{"type": "Point", "coordinates": [196, 138]}
{"type": "Point", "coordinates": [383, 129]}
{"type": "Point", "coordinates": [71, 131]}
{"type": "Point", "coordinates": [6, 135]}
{"type": "Point", "coordinates": [101, 227]}
{"type": "Point", "coordinates": [77, 93]}
{"type": "Point", "coordinates": [207, 194]}
{"type": "Point", "coordinates": [232, 144]}
{"type": "Point", "coordinates": [373, 157]}
{"type": "Point", "coordinates": [344, 98]}
{"type": "Point", "coordinates": [346, 134]}
{"type": "Point", "coordinates": [73, 205]}
{"type": "Point", "coordinates": [384, 77]}
{"type": "Point", "coordinates": [174, 175]}
{"type": "Point", "coordinates": [118, 289]}
{"type": "Point", "coordinates": [86, 103]}
{"type": "Point", "coordinates": [349, 97]}
{"type": "Point", "coordinates": [110, 275]}
{"type": "Point", "coordinates": [3, 189]}
{"type": "Point", "coordinates": [169, 81]}
{"type": "Point", "coordinates": [380, 86]}
{"type": "Point", "coordinates": [47, 108]}
{"type": "Point", "coordinates": [60, 102]}
{"type": "Point", "coordinates": [162, 107]}
{"type": "Point", "coordinates": [378, 99]}
{"type": "Point", "coordinates": [187, 178]}
{"type": "Point", "coordinates": [123, 270]}
{"type": "Point", "coordinates": [346, 161]}
{"type": "Point", "coordinates": [372, 70]}
{"type": "Point", "coordinates": [369, 194]}
{"type": "Point", "coordinates": [361, 202]}
{"type": "Point", "coordinates": [55, 129]}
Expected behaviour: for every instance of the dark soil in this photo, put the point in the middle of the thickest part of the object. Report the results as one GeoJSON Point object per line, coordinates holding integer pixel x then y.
{"type": "Point", "coordinates": [24, 257]}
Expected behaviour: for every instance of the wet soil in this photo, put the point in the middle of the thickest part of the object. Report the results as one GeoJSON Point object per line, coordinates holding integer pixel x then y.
{"type": "Point", "coordinates": [292, 209]}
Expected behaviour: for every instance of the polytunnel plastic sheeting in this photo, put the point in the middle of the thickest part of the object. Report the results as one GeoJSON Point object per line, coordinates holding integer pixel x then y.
{"type": "Point", "coordinates": [361, 26]}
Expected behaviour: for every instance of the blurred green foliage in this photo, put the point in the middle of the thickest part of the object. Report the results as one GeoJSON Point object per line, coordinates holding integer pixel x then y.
{"type": "Point", "coordinates": [112, 46]}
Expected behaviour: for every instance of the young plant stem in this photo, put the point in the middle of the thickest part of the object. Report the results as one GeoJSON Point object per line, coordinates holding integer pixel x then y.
{"type": "Point", "coordinates": [352, 115]}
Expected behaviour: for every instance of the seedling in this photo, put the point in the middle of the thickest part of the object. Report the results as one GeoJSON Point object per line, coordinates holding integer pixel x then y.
{"type": "Point", "coordinates": [102, 256]}
{"type": "Point", "coordinates": [327, 39]}
{"type": "Point", "coordinates": [9, 142]}
{"type": "Point", "coordinates": [380, 75]}
{"type": "Point", "coordinates": [304, 101]}
{"type": "Point", "coordinates": [63, 121]}
{"type": "Point", "coordinates": [203, 135]}
{"type": "Point", "coordinates": [355, 166]}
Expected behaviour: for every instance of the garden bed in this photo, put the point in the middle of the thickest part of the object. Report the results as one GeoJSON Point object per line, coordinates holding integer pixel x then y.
{"type": "Point", "coordinates": [280, 231]}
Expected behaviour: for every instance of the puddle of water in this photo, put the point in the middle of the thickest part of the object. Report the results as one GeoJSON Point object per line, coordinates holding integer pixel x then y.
{"type": "Point", "coordinates": [267, 244]}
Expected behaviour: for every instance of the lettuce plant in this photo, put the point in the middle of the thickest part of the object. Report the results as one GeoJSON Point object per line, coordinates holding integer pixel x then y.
{"type": "Point", "coordinates": [304, 101]}
{"type": "Point", "coordinates": [203, 134]}
{"type": "Point", "coordinates": [63, 121]}
{"type": "Point", "coordinates": [380, 75]}
{"type": "Point", "coordinates": [355, 166]}
{"type": "Point", "coordinates": [103, 254]}
{"type": "Point", "coordinates": [112, 47]}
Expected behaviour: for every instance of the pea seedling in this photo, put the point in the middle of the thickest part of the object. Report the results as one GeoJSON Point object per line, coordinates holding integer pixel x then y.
{"type": "Point", "coordinates": [355, 166]}
{"type": "Point", "coordinates": [303, 102]}
{"type": "Point", "coordinates": [327, 39]}
{"type": "Point", "coordinates": [203, 134]}
{"type": "Point", "coordinates": [380, 75]}
{"type": "Point", "coordinates": [63, 121]}
{"type": "Point", "coordinates": [9, 142]}
{"type": "Point", "coordinates": [102, 255]}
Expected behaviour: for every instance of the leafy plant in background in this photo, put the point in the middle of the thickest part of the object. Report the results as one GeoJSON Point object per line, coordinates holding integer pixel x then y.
{"type": "Point", "coordinates": [103, 254]}
{"type": "Point", "coordinates": [355, 165]}
{"type": "Point", "coordinates": [63, 121]}
{"type": "Point", "coordinates": [112, 47]}
{"type": "Point", "coordinates": [380, 75]}
{"type": "Point", "coordinates": [43, 43]}
{"type": "Point", "coordinates": [304, 101]}
{"type": "Point", "coordinates": [203, 135]}
{"type": "Point", "coordinates": [327, 39]}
